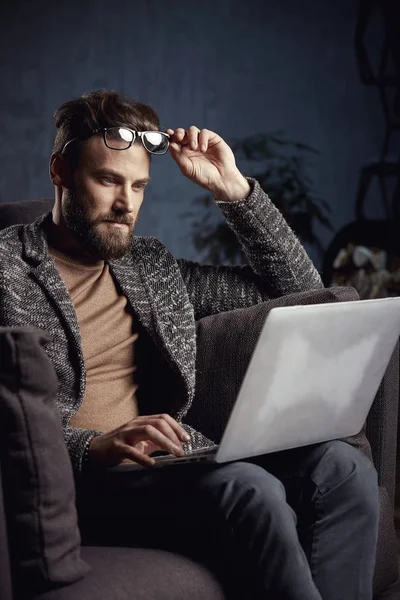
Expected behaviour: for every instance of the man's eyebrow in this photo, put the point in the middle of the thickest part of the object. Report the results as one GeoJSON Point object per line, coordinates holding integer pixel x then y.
{"type": "Point", "coordinates": [106, 172]}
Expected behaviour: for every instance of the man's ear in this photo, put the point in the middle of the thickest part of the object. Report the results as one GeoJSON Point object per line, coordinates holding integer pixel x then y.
{"type": "Point", "coordinates": [60, 171]}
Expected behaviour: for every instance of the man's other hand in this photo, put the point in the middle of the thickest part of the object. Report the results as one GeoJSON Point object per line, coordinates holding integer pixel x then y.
{"type": "Point", "coordinates": [137, 439]}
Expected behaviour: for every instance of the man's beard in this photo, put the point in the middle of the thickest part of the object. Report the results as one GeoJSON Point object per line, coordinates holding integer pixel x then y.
{"type": "Point", "coordinates": [107, 245]}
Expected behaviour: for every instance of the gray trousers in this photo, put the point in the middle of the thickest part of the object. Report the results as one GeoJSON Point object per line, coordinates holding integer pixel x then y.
{"type": "Point", "coordinates": [295, 525]}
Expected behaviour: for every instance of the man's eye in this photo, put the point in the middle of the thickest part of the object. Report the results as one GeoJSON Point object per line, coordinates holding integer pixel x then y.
{"type": "Point", "coordinates": [139, 186]}
{"type": "Point", "coordinates": [108, 180]}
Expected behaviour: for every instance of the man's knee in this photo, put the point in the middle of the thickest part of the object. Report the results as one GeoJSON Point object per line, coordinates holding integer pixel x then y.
{"type": "Point", "coordinates": [343, 467]}
{"type": "Point", "coordinates": [244, 484]}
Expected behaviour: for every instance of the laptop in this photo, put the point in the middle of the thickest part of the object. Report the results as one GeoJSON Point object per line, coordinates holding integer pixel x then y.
{"type": "Point", "coordinates": [313, 377]}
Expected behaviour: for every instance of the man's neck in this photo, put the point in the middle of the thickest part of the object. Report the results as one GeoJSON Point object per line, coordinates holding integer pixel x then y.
{"type": "Point", "coordinates": [60, 237]}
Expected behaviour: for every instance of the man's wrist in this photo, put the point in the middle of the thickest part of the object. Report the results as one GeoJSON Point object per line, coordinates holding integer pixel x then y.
{"type": "Point", "coordinates": [233, 189]}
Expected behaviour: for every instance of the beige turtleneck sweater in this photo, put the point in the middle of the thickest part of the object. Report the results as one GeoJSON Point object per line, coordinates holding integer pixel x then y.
{"type": "Point", "coordinates": [108, 337]}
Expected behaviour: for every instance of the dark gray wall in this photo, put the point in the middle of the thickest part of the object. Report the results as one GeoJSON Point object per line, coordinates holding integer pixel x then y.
{"type": "Point", "coordinates": [236, 67]}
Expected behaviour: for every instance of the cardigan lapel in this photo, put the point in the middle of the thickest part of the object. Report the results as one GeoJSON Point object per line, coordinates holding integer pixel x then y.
{"type": "Point", "coordinates": [131, 277]}
{"type": "Point", "coordinates": [45, 272]}
{"type": "Point", "coordinates": [127, 273]}
{"type": "Point", "coordinates": [47, 275]}
{"type": "Point", "coordinates": [152, 282]}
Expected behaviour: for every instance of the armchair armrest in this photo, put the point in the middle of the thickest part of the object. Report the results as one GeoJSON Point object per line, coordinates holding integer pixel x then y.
{"type": "Point", "coordinates": [382, 426]}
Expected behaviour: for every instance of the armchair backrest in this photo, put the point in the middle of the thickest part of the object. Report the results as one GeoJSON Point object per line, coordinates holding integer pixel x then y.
{"type": "Point", "coordinates": [13, 213]}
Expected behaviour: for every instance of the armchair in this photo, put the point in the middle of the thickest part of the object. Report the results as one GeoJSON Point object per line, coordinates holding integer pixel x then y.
{"type": "Point", "coordinates": [134, 573]}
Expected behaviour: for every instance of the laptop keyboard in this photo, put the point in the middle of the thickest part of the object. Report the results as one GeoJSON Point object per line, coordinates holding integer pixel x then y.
{"type": "Point", "coordinates": [199, 455]}
{"type": "Point", "coordinates": [191, 457]}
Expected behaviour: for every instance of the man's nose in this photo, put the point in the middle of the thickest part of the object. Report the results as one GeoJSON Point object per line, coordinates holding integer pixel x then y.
{"type": "Point", "coordinates": [125, 200]}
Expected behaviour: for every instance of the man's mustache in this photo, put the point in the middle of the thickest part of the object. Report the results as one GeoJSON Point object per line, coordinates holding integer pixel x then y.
{"type": "Point", "coordinates": [116, 219]}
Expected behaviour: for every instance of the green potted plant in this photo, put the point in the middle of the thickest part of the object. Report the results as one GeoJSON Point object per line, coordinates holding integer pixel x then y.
{"type": "Point", "coordinates": [280, 166]}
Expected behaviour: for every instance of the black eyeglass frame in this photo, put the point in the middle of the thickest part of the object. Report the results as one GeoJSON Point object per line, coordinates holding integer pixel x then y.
{"type": "Point", "coordinates": [138, 134]}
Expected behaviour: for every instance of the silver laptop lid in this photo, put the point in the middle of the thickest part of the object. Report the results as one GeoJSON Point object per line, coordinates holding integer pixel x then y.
{"type": "Point", "coordinates": [313, 376]}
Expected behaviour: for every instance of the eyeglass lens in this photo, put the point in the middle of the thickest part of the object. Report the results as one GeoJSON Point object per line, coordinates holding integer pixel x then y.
{"type": "Point", "coordinates": [119, 138]}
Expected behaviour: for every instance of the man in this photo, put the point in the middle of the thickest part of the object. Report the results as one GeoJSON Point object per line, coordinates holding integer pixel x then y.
{"type": "Point", "coordinates": [105, 295]}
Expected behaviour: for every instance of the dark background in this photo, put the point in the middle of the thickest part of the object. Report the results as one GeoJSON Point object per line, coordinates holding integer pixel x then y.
{"type": "Point", "coordinates": [236, 67]}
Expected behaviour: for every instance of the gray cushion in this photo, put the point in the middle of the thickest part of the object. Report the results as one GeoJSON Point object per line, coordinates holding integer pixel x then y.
{"type": "Point", "coordinates": [39, 494]}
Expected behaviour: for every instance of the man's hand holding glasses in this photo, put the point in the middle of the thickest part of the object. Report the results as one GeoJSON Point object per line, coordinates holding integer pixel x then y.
{"type": "Point", "coordinates": [204, 158]}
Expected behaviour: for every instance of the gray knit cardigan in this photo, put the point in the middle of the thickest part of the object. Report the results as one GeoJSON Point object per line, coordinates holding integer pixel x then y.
{"type": "Point", "coordinates": [166, 295]}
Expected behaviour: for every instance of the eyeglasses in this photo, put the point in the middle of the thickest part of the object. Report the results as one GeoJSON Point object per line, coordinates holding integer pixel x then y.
{"type": "Point", "coordinates": [122, 138]}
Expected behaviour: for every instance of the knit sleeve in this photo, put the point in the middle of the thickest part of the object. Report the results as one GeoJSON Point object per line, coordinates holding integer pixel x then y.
{"type": "Point", "coordinates": [78, 441]}
{"type": "Point", "coordinates": [278, 263]}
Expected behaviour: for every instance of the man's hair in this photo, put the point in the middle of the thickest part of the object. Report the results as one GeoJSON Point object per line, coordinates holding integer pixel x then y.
{"type": "Point", "coordinates": [103, 108]}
